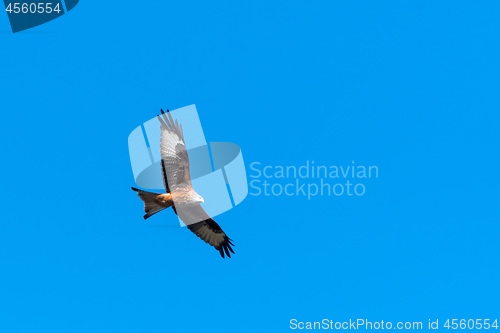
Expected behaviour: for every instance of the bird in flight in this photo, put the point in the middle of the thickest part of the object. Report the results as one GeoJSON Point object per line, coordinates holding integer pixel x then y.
{"type": "Point", "coordinates": [180, 194]}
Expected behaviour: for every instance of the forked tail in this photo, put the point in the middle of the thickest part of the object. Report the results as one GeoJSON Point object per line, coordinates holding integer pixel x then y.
{"type": "Point", "coordinates": [154, 202]}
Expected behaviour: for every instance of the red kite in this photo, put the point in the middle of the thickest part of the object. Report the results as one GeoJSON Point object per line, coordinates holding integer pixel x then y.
{"type": "Point", "coordinates": [180, 194]}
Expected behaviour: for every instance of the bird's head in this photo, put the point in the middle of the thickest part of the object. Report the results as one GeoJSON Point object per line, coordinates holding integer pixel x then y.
{"type": "Point", "coordinates": [198, 199]}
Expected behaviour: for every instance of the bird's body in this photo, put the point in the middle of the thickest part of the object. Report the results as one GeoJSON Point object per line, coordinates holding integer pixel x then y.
{"type": "Point", "coordinates": [180, 194]}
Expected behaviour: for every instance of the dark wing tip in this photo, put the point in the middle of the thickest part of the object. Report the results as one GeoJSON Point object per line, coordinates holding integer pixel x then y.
{"type": "Point", "coordinates": [225, 247]}
{"type": "Point", "coordinates": [227, 252]}
{"type": "Point", "coordinates": [222, 245]}
{"type": "Point", "coordinates": [171, 124]}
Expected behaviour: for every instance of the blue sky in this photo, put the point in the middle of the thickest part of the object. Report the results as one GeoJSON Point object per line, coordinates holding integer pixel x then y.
{"type": "Point", "coordinates": [409, 86]}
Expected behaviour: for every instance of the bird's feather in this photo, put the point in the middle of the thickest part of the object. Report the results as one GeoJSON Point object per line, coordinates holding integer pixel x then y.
{"type": "Point", "coordinates": [174, 156]}
{"type": "Point", "coordinates": [208, 230]}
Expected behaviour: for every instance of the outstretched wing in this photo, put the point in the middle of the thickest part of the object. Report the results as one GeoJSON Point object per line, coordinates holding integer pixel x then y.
{"type": "Point", "coordinates": [174, 156]}
{"type": "Point", "coordinates": [208, 230]}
